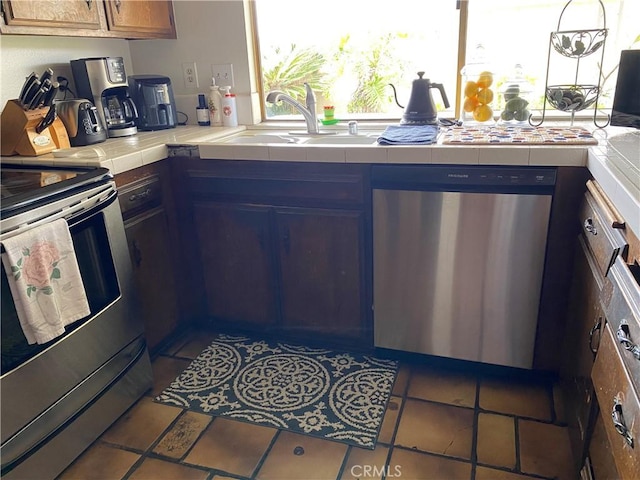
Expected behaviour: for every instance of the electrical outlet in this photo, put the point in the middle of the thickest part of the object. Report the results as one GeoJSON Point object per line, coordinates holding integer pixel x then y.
{"type": "Point", "coordinates": [190, 75]}
{"type": "Point", "coordinates": [223, 73]}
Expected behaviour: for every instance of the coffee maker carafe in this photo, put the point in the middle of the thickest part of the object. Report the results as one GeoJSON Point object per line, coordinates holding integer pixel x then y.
{"type": "Point", "coordinates": [104, 82]}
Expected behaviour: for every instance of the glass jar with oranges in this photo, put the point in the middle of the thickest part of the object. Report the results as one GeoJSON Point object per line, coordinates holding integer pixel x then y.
{"type": "Point", "coordinates": [477, 90]}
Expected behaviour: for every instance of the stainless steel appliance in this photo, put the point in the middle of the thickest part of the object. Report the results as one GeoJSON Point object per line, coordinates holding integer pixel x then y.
{"type": "Point", "coordinates": [458, 257]}
{"type": "Point", "coordinates": [626, 101]}
{"type": "Point", "coordinates": [153, 97]}
{"type": "Point", "coordinates": [82, 122]}
{"type": "Point", "coordinates": [57, 398]}
{"type": "Point", "coordinates": [103, 81]}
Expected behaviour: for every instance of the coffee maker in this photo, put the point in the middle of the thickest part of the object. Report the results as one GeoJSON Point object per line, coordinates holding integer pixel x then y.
{"type": "Point", "coordinates": [104, 82]}
{"type": "Point", "coordinates": [153, 97]}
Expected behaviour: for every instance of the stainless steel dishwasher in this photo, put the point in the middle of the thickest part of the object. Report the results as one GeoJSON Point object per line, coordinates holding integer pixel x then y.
{"type": "Point", "coordinates": [458, 256]}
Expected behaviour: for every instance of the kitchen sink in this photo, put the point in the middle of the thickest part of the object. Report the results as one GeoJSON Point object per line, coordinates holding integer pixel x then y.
{"type": "Point", "coordinates": [291, 138]}
{"type": "Point", "coordinates": [261, 138]}
{"type": "Point", "coordinates": [341, 140]}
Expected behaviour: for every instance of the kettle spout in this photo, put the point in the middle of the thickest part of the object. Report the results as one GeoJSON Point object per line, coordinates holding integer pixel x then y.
{"type": "Point", "coordinates": [395, 95]}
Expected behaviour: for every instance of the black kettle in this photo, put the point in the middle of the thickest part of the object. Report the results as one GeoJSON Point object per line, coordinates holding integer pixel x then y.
{"type": "Point", "coordinates": [421, 110]}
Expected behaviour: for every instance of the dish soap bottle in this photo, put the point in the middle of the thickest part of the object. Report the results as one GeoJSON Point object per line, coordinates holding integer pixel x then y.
{"type": "Point", "coordinates": [215, 104]}
{"type": "Point", "coordinates": [202, 112]}
{"type": "Point", "coordinates": [229, 113]}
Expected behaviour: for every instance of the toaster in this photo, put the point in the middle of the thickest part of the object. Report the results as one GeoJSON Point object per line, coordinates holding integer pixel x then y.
{"type": "Point", "coordinates": [82, 122]}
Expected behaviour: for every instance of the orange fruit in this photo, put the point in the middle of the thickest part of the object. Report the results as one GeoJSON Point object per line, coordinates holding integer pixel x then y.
{"type": "Point", "coordinates": [470, 103]}
{"type": "Point", "coordinates": [482, 113]}
{"type": "Point", "coordinates": [485, 80]}
{"type": "Point", "coordinates": [470, 89]}
{"type": "Point", "coordinates": [485, 96]}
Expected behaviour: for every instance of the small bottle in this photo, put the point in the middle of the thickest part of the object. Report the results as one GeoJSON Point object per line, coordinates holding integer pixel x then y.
{"type": "Point", "coordinates": [229, 113]}
{"type": "Point", "coordinates": [215, 104]}
{"type": "Point", "coordinates": [202, 112]}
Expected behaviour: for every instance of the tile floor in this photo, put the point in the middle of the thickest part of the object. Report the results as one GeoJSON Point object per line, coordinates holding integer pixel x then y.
{"type": "Point", "coordinates": [438, 425]}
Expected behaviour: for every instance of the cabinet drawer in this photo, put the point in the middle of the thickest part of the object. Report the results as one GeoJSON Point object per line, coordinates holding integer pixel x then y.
{"type": "Point", "coordinates": [278, 183]}
{"type": "Point", "coordinates": [619, 403]}
{"type": "Point", "coordinates": [603, 240]}
{"type": "Point", "coordinates": [622, 304]}
{"type": "Point", "coordinates": [144, 193]}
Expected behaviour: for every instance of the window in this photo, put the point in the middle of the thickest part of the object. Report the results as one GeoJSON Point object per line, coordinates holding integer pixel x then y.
{"type": "Point", "coordinates": [349, 51]}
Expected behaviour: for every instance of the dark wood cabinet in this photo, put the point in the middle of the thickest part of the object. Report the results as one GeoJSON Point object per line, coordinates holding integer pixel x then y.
{"type": "Point", "coordinates": [89, 18]}
{"type": "Point", "coordinates": [148, 213]}
{"type": "Point", "coordinates": [237, 263]}
{"type": "Point", "coordinates": [282, 248]}
{"type": "Point", "coordinates": [321, 270]}
{"type": "Point", "coordinates": [150, 250]}
{"type": "Point", "coordinates": [585, 320]}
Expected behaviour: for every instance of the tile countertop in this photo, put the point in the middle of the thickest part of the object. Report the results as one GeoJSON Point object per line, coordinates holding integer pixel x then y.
{"type": "Point", "coordinates": [614, 162]}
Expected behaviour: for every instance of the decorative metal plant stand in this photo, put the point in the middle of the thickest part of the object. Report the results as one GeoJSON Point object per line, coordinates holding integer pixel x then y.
{"type": "Point", "coordinates": [575, 44]}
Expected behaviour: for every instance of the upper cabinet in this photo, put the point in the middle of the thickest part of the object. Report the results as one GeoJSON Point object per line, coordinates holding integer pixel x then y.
{"type": "Point", "coordinates": [151, 17]}
{"type": "Point", "coordinates": [89, 18]}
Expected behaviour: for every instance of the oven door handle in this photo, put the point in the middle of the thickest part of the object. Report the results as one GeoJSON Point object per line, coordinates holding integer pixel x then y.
{"type": "Point", "coordinates": [79, 209]}
{"type": "Point", "coordinates": [78, 217]}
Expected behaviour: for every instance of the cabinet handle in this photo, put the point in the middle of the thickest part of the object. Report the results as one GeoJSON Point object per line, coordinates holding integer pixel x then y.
{"type": "Point", "coordinates": [118, 2]}
{"type": "Point", "coordinates": [590, 227]}
{"type": "Point", "coordinates": [596, 327]}
{"type": "Point", "coordinates": [287, 241]}
{"type": "Point", "coordinates": [624, 337]}
{"type": "Point", "coordinates": [138, 196]}
{"type": "Point", "coordinates": [137, 254]}
{"type": "Point", "coordinates": [89, 2]}
{"type": "Point", "coordinates": [618, 421]}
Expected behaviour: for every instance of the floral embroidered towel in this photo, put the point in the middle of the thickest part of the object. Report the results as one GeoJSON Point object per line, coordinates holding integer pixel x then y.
{"type": "Point", "coordinates": [45, 280]}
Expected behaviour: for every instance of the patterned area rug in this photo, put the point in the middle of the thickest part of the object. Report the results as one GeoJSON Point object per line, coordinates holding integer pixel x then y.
{"type": "Point", "coordinates": [318, 392]}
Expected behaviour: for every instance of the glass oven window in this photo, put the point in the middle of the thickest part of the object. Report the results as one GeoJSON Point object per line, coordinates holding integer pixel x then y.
{"type": "Point", "coordinates": [98, 273]}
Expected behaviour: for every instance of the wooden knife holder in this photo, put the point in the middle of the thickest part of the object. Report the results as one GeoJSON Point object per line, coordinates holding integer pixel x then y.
{"type": "Point", "coordinates": [19, 136]}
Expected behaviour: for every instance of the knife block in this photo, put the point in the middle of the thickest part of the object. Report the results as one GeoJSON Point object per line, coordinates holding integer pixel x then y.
{"type": "Point", "coordinates": [19, 136]}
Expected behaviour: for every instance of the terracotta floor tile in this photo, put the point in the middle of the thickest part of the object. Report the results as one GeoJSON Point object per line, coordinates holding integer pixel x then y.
{"type": "Point", "coordinates": [545, 449]}
{"type": "Point", "coordinates": [436, 428]}
{"type": "Point", "coordinates": [444, 387]}
{"type": "Point", "coordinates": [155, 469]}
{"type": "Point", "coordinates": [363, 463]}
{"type": "Point", "coordinates": [496, 440]}
{"type": "Point", "coordinates": [294, 457]}
{"type": "Point", "coordinates": [183, 435]}
{"type": "Point", "coordinates": [484, 473]}
{"type": "Point", "coordinates": [516, 398]}
{"type": "Point", "coordinates": [100, 462]}
{"type": "Point", "coordinates": [165, 371]}
{"type": "Point", "coordinates": [231, 446]}
{"type": "Point", "coordinates": [407, 465]}
{"type": "Point", "coordinates": [141, 425]}
{"type": "Point", "coordinates": [390, 420]}
{"type": "Point", "coordinates": [402, 378]}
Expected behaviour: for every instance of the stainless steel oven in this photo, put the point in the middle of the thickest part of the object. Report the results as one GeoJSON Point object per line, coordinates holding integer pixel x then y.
{"type": "Point", "coordinates": [57, 398]}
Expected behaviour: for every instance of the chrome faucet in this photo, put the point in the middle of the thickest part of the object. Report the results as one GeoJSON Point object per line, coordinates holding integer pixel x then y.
{"type": "Point", "coordinates": [309, 113]}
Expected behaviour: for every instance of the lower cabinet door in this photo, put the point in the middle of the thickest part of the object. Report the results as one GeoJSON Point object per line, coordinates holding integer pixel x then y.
{"type": "Point", "coordinates": [150, 251]}
{"type": "Point", "coordinates": [321, 266]}
{"type": "Point", "coordinates": [602, 462]}
{"type": "Point", "coordinates": [237, 263]}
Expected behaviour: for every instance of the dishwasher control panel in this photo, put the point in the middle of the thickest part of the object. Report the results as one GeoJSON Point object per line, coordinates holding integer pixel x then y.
{"type": "Point", "coordinates": [442, 177]}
